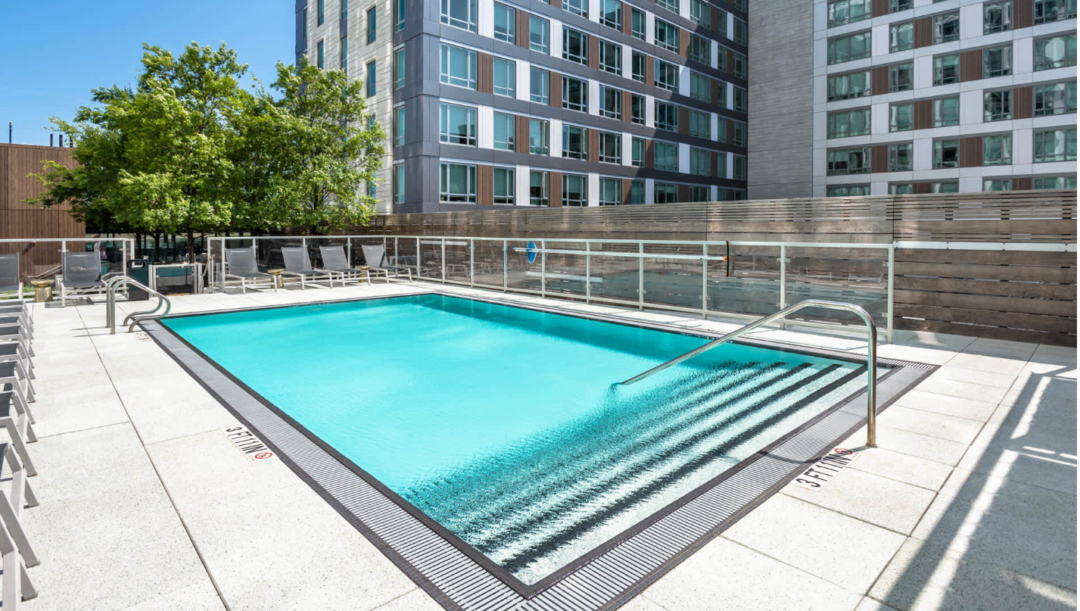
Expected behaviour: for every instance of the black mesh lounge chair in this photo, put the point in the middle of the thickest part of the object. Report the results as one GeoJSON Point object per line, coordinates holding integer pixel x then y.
{"type": "Point", "coordinates": [13, 377]}
{"type": "Point", "coordinates": [14, 334]}
{"type": "Point", "coordinates": [81, 275]}
{"type": "Point", "coordinates": [334, 260]}
{"type": "Point", "coordinates": [18, 309]}
{"type": "Point", "coordinates": [16, 418]}
{"type": "Point", "coordinates": [8, 320]}
{"type": "Point", "coordinates": [16, 352]}
{"type": "Point", "coordinates": [242, 266]}
{"type": "Point", "coordinates": [297, 264]}
{"type": "Point", "coordinates": [9, 275]}
{"type": "Point", "coordinates": [375, 256]}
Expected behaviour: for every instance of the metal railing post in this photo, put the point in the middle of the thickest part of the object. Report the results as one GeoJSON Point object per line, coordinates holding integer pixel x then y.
{"type": "Point", "coordinates": [705, 281]}
{"type": "Point", "coordinates": [889, 296]}
{"type": "Point", "coordinates": [418, 272]}
{"type": "Point", "coordinates": [543, 268]}
{"type": "Point", "coordinates": [783, 283]}
{"type": "Point", "coordinates": [348, 250]}
{"type": "Point", "coordinates": [472, 262]}
{"type": "Point", "coordinates": [504, 262]}
{"type": "Point", "coordinates": [641, 276]}
{"type": "Point", "coordinates": [588, 273]}
{"type": "Point", "coordinates": [443, 255]}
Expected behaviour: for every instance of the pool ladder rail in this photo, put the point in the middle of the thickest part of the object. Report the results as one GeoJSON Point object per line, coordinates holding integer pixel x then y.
{"type": "Point", "coordinates": [134, 317]}
{"type": "Point", "coordinates": [871, 353]}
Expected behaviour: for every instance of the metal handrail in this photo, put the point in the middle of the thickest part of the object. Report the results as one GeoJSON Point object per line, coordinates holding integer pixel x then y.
{"type": "Point", "coordinates": [134, 317]}
{"type": "Point", "coordinates": [871, 353]}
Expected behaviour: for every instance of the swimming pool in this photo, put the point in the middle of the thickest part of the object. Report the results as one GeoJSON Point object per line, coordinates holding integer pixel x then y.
{"type": "Point", "coordinates": [505, 426]}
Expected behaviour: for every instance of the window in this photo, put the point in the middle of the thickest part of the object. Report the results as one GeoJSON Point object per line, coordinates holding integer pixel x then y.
{"type": "Point", "coordinates": [895, 6]}
{"type": "Point", "coordinates": [843, 12]}
{"type": "Point", "coordinates": [611, 15]}
{"type": "Point", "coordinates": [637, 152]}
{"type": "Point", "coordinates": [700, 162]}
{"type": "Point", "coordinates": [1047, 11]}
{"type": "Point", "coordinates": [738, 167]}
{"type": "Point", "coordinates": [637, 66]}
{"type": "Point", "coordinates": [370, 79]}
{"type": "Point", "coordinates": [611, 102]}
{"type": "Point", "coordinates": [1057, 99]}
{"type": "Point", "coordinates": [371, 26]}
{"type": "Point", "coordinates": [344, 59]}
{"type": "Point", "coordinates": [901, 36]}
{"type": "Point", "coordinates": [848, 161]}
{"type": "Point", "coordinates": [997, 61]}
{"type": "Point", "coordinates": [399, 183]}
{"type": "Point", "coordinates": [666, 75]}
{"type": "Point", "coordinates": [701, 14]}
{"type": "Point", "coordinates": [637, 192]}
{"type": "Point", "coordinates": [721, 23]}
{"type": "Point", "coordinates": [1055, 145]}
{"type": "Point", "coordinates": [849, 48]}
{"type": "Point", "coordinates": [997, 184]}
{"type": "Point", "coordinates": [504, 131]}
{"type": "Point", "coordinates": [721, 94]}
{"type": "Point", "coordinates": [504, 77]}
{"type": "Point", "coordinates": [319, 55]}
{"type": "Point", "coordinates": [611, 57]}
{"type": "Point", "coordinates": [946, 154]}
{"type": "Point", "coordinates": [740, 31]}
{"type": "Point", "coordinates": [721, 129]}
{"type": "Point", "coordinates": [950, 186]}
{"type": "Point", "coordinates": [901, 77]}
{"type": "Point", "coordinates": [503, 190]}
{"type": "Point", "coordinates": [997, 105]}
{"type": "Point", "coordinates": [700, 124]}
{"type": "Point", "coordinates": [610, 191]}
{"type": "Point", "coordinates": [846, 86]}
{"type": "Point", "coordinates": [575, 94]}
{"type": "Point", "coordinates": [457, 183]}
{"type": "Point", "coordinates": [900, 157]}
{"type": "Point", "coordinates": [399, 126]}
{"type": "Point", "coordinates": [1054, 182]}
{"type": "Point", "coordinates": [344, 10]}
{"type": "Point", "coordinates": [699, 194]}
{"type": "Point", "coordinates": [997, 17]}
{"type": "Point", "coordinates": [539, 34]}
{"type": "Point", "coordinates": [665, 193]}
{"type": "Point", "coordinates": [505, 23]}
{"type": "Point", "coordinates": [902, 117]}
{"type": "Point", "coordinates": [575, 190]}
{"type": "Point", "coordinates": [457, 124]}
{"type": "Point", "coordinates": [947, 112]}
{"type": "Point", "coordinates": [399, 68]}
{"type": "Point", "coordinates": [738, 133]}
{"type": "Point", "coordinates": [997, 150]}
{"type": "Point", "coordinates": [610, 148]}
{"type": "Point", "coordinates": [701, 87]}
{"type": "Point", "coordinates": [666, 156]}
{"type": "Point", "coordinates": [721, 164]}
{"type": "Point", "coordinates": [322, 12]}
{"type": "Point", "coordinates": [575, 46]}
{"type": "Point", "coordinates": [847, 191]}
{"type": "Point", "coordinates": [700, 49]}
{"type": "Point", "coordinates": [667, 116]}
{"type": "Point", "coordinates": [946, 28]}
{"type": "Point", "coordinates": [538, 137]}
{"type": "Point", "coordinates": [1056, 52]}
{"type": "Point", "coordinates": [667, 35]}
{"type": "Point", "coordinates": [738, 64]}
{"type": "Point", "coordinates": [538, 188]}
{"type": "Point", "coordinates": [459, 13]}
{"type": "Point", "coordinates": [637, 23]}
{"type": "Point", "coordinates": [457, 66]}
{"type": "Point", "coordinates": [539, 84]}
{"type": "Point", "coordinates": [946, 69]}
{"type": "Point", "coordinates": [577, 7]}
{"type": "Point", "coordinates": [738, 98]}
{"type": "Point", "coordinates": [849, 123]}
{"type": "Point", "coordinates": [637, 109]}
{"type": "Point", "coordinates": [671, 5]}
{"type": "Point", "coordinates": [399, 17]}
{"type": "Point", "coordinates": [721, 58]}
{"type": "Point", "coordinates": [901, 189]}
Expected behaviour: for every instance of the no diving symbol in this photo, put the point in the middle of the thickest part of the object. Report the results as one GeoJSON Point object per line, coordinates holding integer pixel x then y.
{"type": "Point", "coordinates": [264, 455]}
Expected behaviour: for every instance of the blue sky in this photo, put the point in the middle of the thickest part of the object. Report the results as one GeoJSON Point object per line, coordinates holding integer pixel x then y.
{"type": "Point", "coordinates": [53, 52]}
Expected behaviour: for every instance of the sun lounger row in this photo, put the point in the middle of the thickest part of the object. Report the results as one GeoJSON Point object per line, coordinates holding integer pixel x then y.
{"type": "Point", "coordinates": [241, 266]}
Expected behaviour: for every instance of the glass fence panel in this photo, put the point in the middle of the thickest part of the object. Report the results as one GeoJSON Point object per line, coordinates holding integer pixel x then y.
{"type": "Point", "coordinates": [565, 270]}
{"type": "Point", "coordinates": [849, 275]}
{"type": "Point", "coordinates": [521, 275]}
{"type": "Point", "coordinates": [431, 258]}
{"type": "Point", "coordinates": [488, 263]}
{"type": "Point", "coordinates": [748, 282]}
{"type": "Point", "coordinates": [614, 277]}
{"type": "Point", "coordinates": [376, 246]}
{"type": "Point", "coordinates": [457, 259]}
{"type": "Point", "coordinates": [672, 281]}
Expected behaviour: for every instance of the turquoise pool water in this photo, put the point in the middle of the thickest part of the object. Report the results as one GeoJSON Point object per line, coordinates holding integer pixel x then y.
{"type": "Point", "coordinates": [505, 424]}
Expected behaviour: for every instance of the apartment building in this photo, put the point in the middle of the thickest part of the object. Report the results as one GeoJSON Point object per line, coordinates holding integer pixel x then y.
{"type": "Point", "coordinates": [525, 103]}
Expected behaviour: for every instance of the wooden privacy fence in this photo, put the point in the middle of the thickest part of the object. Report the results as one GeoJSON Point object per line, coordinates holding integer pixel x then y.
{"type": "Point", "coordinates": [996, 265]}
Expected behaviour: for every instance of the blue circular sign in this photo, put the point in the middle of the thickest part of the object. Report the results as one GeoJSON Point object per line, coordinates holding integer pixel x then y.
{"type": "Point", "coordinates": [531, 249]}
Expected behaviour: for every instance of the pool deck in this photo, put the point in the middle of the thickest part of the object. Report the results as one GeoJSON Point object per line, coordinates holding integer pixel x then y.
{"type": "Point", "coordinates": [968, 503]}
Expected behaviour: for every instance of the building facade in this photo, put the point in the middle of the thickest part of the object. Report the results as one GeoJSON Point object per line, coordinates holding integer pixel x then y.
{"type": "Point", "coordinates": [525, 103]}
{"type": "Point", "coordinates": [923, 96]}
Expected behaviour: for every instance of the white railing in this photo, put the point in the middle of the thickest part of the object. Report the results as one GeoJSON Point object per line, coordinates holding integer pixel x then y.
{"type": "Point", "coordinates": [539, 266]}
{"type": "Point", "coordinates": [127, 249]}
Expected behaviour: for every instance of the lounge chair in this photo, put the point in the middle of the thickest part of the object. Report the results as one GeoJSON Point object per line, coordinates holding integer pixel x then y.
{"type": "Point", "coordinates": [20, 310]}
{"type": "Point", "coordinates": [334, 260]}
{"type": "Point", "coordinates": [16, 418]}
{"type": "Point", "coordinates": [298, 265]}
{"type": "Point", "coordinates": [241, 265]}
{"type": "Point", "coordinates": [16, 352]}
{"type": "Point", "coordinates": [14, 377]}
{"type": "Point", "coordinates": [375, 256]}
{"type": "Point", "coordinates": [9, 275]}
{"type": "Point", "coordinates": [81, 275]}
{"type": "Point", "coordinates": [10, 320]}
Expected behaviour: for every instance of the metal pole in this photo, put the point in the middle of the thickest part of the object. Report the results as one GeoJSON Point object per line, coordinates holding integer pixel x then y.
{"type": "Point", "coordinates": [543, 268]}
{"type": "Point", "coordinates": [641, 276]}
{"type": "Point", "coordinates": [418, 273]}
{"type": "Point", "coordinates": [705, 281]}
{"type": "Point", "coordinates": [889, 297]}
{"type": "Point", "coordinates": [443, 246]}
{"type": "Point", "coordinates": [504, 266]}
{"type": "Point", "coordinates": [588, 273]}
{"type": "Point", "coordinates": [472, 258]}
{"type": "Point", "coordinates": [783, 283]}
{"type": "Point", "coordinates": [348, 251]}
{"type": "Point", "coordinates": [871, 382]}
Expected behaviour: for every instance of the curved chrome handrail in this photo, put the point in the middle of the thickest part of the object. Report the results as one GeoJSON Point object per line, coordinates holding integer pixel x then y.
{"type": "Point", "coordinates": [871, 353]}
{"type": "Point", "coordinates": [134, 317]}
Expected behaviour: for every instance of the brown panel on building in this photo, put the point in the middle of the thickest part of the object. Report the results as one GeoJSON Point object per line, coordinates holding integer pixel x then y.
{"type": "Point", "coordinates": [594, 52]}
{"type": "Point", "coordinates": [879, 158]}
{"type": "Point", "coordinates": [971, 65]}
{"type": "Point", "coordinates": [1023, 14]}
{"type": "Point", "coordinates": [1022, 184]}
{"type": "Point", "coordinates": [626, 182]}
{"type": "Point", "coordinates": [521, 144]}
{"type": "Point", "coordinates": [484, 68]}
{"type": "Point", "coordinates": [715, 92]}
{"type": "Point", "coordinates": [922, 187]}
{"type": "Point", "coordinates": [684, 193]}
{"type": "Point", "coordinates": [879, 80]}
{"type": "Point", "coordinates": [650, 63]}
{"type": "Point", "coordinates": [649, 154]}
{"type": "Point", "coordinates": [924, 114]}
{"type": "Point", "coordinates": [555, 93]}
{"type": "Point", "coordinates": [485, 185]}
{"type": "Point", "coordinates": [684, 42]}
{"type": "Point", "coordinates": [556, 3]}
{"type": "Point", "coordinates": [522, 34]}
{"type": "Point", "coordinates": [971, 152]}
{"type": "Point", "coordinates": [627, 105]}
{"type": "Point", "coordinates": [1023, 102]}
{"type": "Point", "coordinates": [628, 19]}
{"type": "Point", "coordinates": [924, 32]}
{"type": "Point", "coordinates": [880, 7]}
{"type": "Point", "coordinates": [730, 132]}
{"type": "Point", "coordinates": [713, 160]}
{"type": "Point", "coordinates": [716, 16]}
{"type": "Point", "coordinates": [594, 146]}
{"type": "Point", "coordinates": [684, 120]}
{"type": "Point", "coordinates": [730, 61]}
{"type": "Point", "coordinates": [555, 189]}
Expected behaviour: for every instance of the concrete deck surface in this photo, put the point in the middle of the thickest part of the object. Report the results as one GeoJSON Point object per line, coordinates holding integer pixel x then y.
{"type": "Point", "coordinates": [968, 503]}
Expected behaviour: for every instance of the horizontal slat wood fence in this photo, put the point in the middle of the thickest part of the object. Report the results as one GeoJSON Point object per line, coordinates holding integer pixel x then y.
{"type": "Point", "coordinates": [1023, 295]}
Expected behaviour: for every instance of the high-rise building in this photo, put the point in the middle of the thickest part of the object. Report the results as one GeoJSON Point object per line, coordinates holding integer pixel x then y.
{"type": "Point", "coordinates": [919, 96]}
{"type": "Point", "coordinates": [524, 103]}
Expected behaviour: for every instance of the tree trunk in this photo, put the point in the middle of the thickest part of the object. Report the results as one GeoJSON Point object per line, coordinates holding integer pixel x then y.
{"type": "Point", "coordinates": [157, 246]}
{"type": "Point", "coordinates": [191, 245]}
